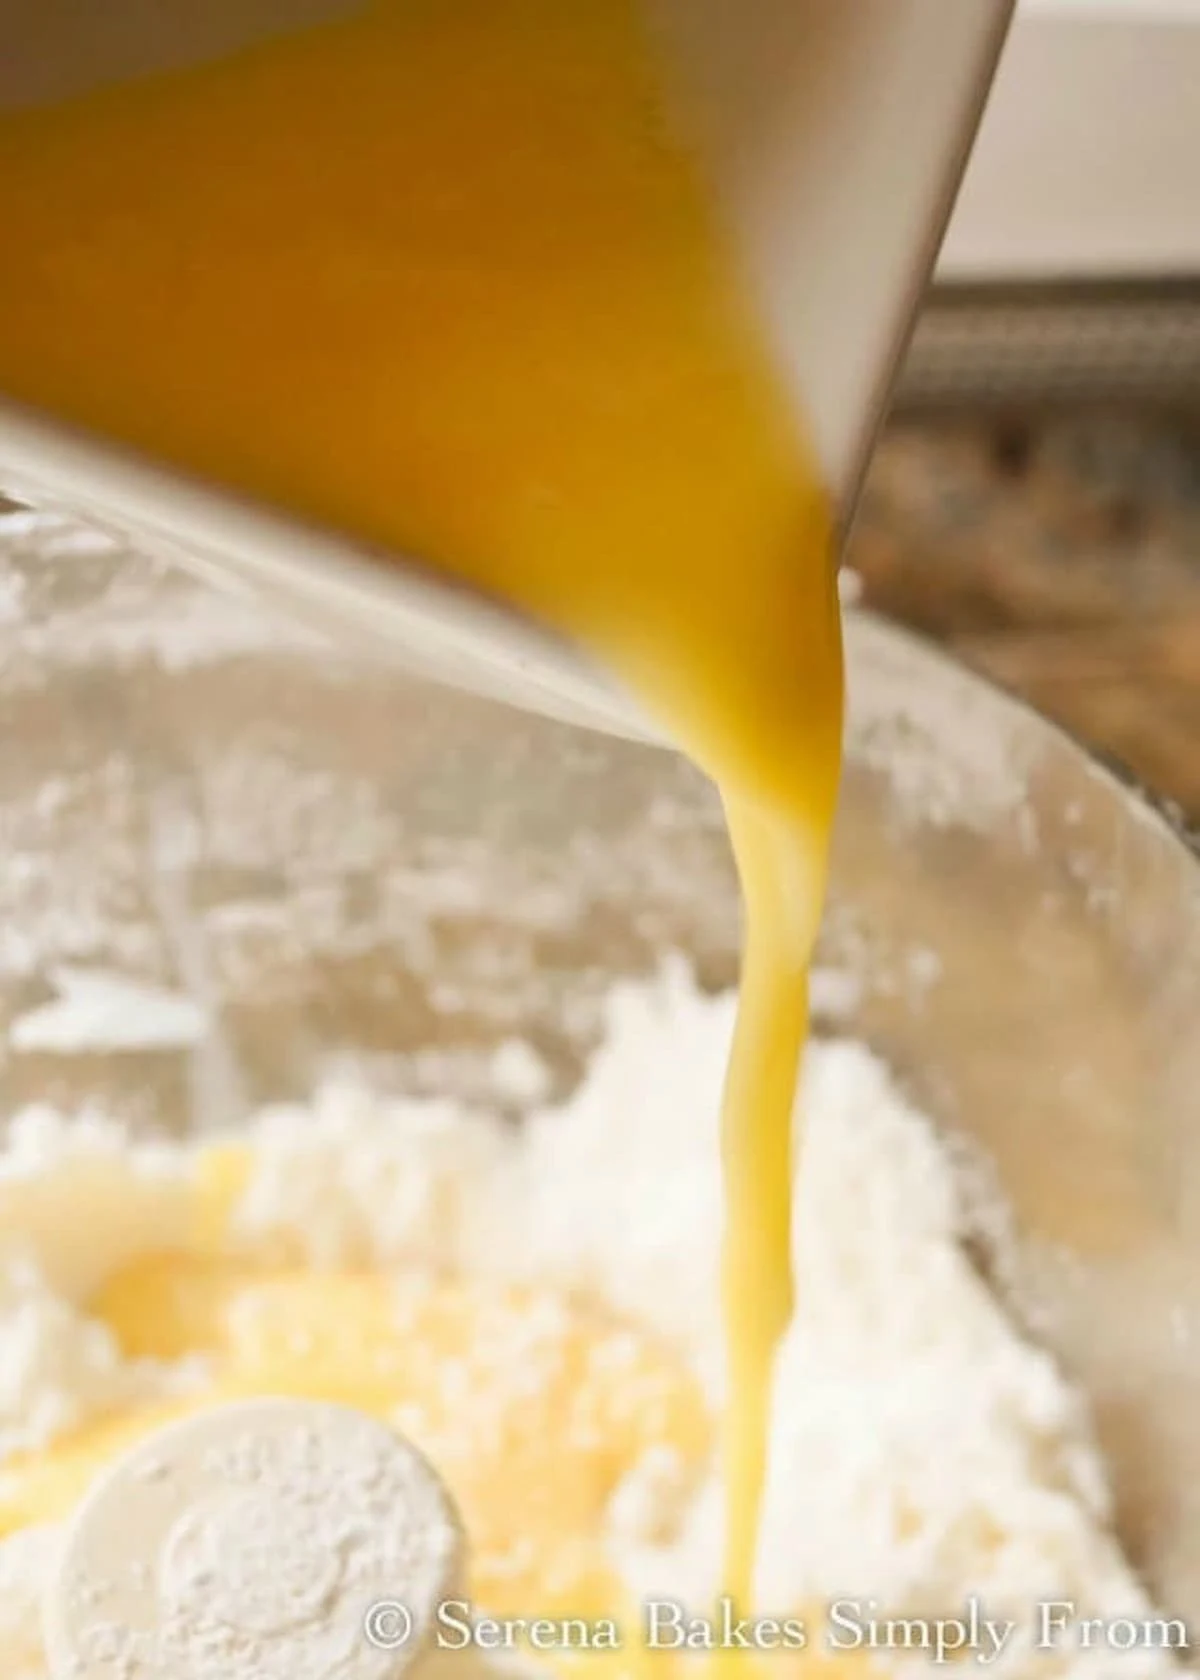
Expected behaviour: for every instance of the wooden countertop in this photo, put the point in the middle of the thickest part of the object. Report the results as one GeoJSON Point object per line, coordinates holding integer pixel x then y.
{"type": "Point", "coordinates": [1061, 557]}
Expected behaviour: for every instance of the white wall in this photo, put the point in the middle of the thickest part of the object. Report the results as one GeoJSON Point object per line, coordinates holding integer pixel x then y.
{"type": "Point", "coordinates": [1088, 161]}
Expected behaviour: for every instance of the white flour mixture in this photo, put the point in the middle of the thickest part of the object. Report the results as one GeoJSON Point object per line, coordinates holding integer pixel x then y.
{"type": "Point", "coordinates": [922, 1451]}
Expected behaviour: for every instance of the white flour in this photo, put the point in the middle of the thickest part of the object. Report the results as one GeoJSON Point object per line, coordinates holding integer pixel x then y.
{"type": "Point", "coordinates": [57, 1366]}
{"type": "Point", "coordinates": [75, 1204]}
{"type": "Point", "coordinates": [921, 1450]}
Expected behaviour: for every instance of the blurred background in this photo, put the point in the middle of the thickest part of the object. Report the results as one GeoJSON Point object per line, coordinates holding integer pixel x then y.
{"type": "Point", "coordinates": [1059, 552]}
{"type": "Point", "coordinates": [1036, 501]}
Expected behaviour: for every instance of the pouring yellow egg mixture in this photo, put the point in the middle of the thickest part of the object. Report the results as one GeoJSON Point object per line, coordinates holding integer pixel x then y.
{"type": "Point", "coordinates": [441, 276]}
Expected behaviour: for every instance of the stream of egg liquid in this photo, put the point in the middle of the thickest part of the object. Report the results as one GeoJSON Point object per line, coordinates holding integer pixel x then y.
{"type": "Point", "coordinates": [441, 275]}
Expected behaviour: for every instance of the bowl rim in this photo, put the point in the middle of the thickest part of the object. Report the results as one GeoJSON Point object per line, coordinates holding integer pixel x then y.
{"type": "Point", "coordinates": [1163, 814]}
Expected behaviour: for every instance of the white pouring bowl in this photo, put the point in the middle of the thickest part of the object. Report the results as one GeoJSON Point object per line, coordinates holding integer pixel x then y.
{"type": "Point", "coordinates": [835, 133]}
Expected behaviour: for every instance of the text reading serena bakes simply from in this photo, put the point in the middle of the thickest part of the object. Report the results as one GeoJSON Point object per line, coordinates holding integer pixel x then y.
{"type": "Point", "coordinates": [846, 1624]}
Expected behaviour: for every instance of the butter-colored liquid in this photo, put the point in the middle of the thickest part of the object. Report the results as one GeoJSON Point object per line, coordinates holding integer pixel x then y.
{"type": "Point", "coordinates": [530, 1447]}
{"type": "Point", "coordinates": [440, 276]}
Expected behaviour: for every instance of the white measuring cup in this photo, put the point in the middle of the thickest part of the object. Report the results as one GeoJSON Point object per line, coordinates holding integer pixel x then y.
{"type": "Point", "coordinates": [835, 133]}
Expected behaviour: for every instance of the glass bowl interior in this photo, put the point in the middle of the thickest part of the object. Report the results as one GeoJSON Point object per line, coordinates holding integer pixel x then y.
{"type": "Point", "coordinates": [298, 864]}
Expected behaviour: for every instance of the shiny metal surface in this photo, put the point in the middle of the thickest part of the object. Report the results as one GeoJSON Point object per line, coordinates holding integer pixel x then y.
{"type": "Point", "coordinates": [345, 870]}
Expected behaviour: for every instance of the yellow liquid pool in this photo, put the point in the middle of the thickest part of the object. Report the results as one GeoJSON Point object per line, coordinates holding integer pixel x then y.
{"type": "Point", "coordinates": [441, 275]}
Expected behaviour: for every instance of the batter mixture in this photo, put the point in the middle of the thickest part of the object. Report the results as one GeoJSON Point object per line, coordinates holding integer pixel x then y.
{"type": "Point", "coordinates": [461, 1279]}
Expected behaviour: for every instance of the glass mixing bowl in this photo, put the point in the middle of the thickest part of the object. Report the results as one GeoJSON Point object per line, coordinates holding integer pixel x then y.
{"type": "Point", "coordinates": [238, 862]}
